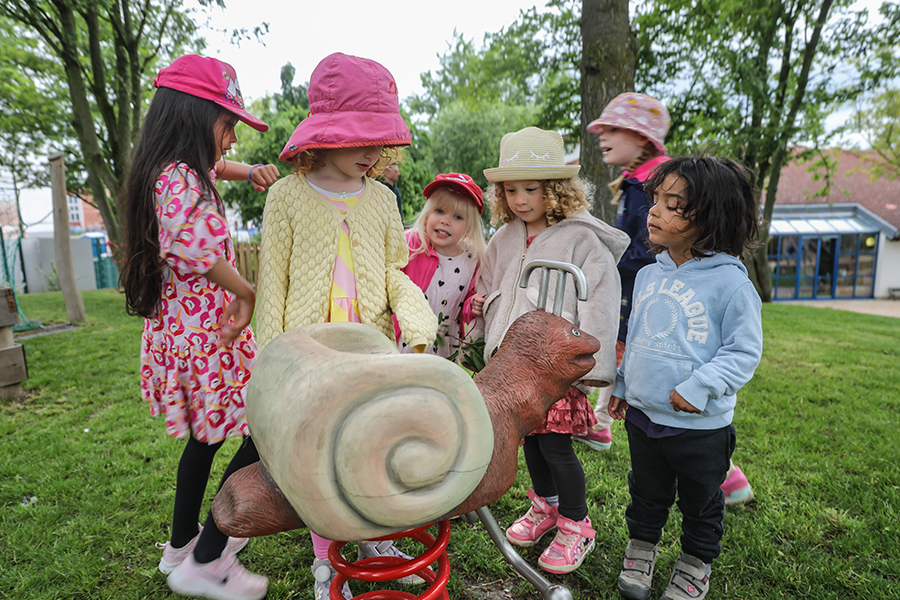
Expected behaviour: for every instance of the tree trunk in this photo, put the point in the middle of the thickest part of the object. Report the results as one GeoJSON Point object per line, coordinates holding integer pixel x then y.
{"type": "Point", "coordinates": [607, 70]}
{"type": "Point", "coordinates": [61, 243]}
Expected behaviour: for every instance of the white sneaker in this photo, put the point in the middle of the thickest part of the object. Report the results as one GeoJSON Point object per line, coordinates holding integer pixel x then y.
{"type": "Point", "coordinates": [222, 579]}
{"type": "Point", "coordinates": [172, 557]}
{"type": "Point", "coordinates": [324, 573]}
{"type": "Point", "coordinates": [387, 548]}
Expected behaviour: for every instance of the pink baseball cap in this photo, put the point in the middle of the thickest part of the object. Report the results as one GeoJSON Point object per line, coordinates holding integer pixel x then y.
{"type": "Point", "coordinates": [460, 182]}
{"type": "Point", "coordinates": [353, 102]}
{"type": "Point", "coordinates": [211, 79]}
{"type": "Point", "coordinates": [640, 113]}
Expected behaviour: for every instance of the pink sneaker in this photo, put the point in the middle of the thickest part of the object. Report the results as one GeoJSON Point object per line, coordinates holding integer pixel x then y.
{"type": "Point", "coordinates": [222, 579]}
{"type": "Point", "coordinates": [596, 440]}
{"type": "Point", "coordinates": [531, 527]}
{"type": "Point", "coordinates": [172, 557]}
{"type": "Point", "coordinates": [736, 487]}
{"type": "Point", "coordinates": [573, 542]}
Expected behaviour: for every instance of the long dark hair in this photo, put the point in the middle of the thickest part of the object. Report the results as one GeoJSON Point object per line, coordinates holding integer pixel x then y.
{"type": "Point", "coordinates": [722, 202]}
{"type": "Point", "coordinates": [180, 128]}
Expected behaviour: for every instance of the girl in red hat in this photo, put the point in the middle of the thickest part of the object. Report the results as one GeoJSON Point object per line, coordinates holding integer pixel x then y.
{"type": "Point", "coordinates": [332, 241]}
{"type": "Point", "coordinates": [197, 348]}
{"type": "Point", "coordinates": [446, 247]}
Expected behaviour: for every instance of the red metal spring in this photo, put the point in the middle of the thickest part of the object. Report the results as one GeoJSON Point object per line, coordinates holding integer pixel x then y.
{"type": "Point", "coordinates": [391, 568]}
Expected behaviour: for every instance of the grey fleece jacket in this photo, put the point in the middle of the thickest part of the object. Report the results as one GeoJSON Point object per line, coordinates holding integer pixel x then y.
{"type": "Point", "coordinates": [581, 240]}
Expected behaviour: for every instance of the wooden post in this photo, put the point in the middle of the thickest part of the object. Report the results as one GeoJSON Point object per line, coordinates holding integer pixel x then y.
{"type": "Point", "coordinates": [13, 370]}
{"type": "Point", "coordinates": [62, 245]}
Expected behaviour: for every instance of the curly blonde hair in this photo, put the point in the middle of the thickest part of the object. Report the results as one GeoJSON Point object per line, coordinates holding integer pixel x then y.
{"type": "Point", "coordinates": [562, 197]}
{"type": "Point", "coordinates": [313, 159]}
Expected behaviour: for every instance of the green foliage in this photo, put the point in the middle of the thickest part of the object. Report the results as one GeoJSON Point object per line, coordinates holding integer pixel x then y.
{"type": "Point", "coordinates": [87, 476]}
{"type": "Point", "coordinates": [878, 122]}
{"type": "Point", "coordinates": [467, 140]}
{"type": "Point", "coordinates": [531, 63]}
{"type": "Point", "coordinates": [32, 105]}
{"type": "Point", "coordinates": [524, 74]}
{"type": "Point", "coordinates": [105, 52]}
{"type": "Point", "coordinates": [282, 112]}
{"type": "Point", "coordinates": [758, 77]}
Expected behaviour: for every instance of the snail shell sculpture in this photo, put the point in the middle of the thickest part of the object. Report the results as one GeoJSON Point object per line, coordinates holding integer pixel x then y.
{"type": "Point", "coordinates": [358, 441]}
{"type": "Point", "coordinates": [362, 440]}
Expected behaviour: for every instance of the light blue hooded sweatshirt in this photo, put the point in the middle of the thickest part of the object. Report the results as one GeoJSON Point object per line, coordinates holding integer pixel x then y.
{"type": "Point", "coordinates": [696, 329]}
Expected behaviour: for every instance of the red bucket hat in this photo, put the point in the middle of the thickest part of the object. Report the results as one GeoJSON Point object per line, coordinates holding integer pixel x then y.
{"type": "Point", "coordinates": [353, 102]}
{"type": "Point", "coordinates": [210, 79]}
{"type": "Point", "coordinates": [461, 183]}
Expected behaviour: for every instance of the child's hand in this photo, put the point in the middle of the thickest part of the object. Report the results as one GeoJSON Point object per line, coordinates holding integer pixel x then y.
{"type": "Point", "coordinates": [235, 318]}
{"type": "Point", "coordinates": [617, 407]}
{"type": "Point", "coordinates": [679, 403]}
{"type": "Point", "coordinates": [478, 305]}
{"type": "Point", "coordinates": [263, 176]}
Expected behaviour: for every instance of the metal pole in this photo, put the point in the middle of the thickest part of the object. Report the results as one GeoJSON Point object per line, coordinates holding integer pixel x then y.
{"type": "Point", "coordinates": [548, 590]}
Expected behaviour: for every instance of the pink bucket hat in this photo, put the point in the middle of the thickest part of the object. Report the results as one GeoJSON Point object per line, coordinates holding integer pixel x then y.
{"type": "Point", "coordinates": [210, 79]}
{"type": "Point", "coordinates": [459, 182]}
{"type": "Point", "coordinates": [353, 102]}
{"type": "Point", "coordinates": [640, 113]}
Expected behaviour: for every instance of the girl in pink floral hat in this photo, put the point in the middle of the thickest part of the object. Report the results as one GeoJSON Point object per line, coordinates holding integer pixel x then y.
{"type": "Point", "coordinates": [333, 247]}
{"type": "Point", "coordinates": [197, 348]}
{"type": "Point", "coordinates": [632, 129]}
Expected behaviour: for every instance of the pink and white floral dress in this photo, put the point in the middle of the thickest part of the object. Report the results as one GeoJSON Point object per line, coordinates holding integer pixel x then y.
{"type": "Point", "coordinates": [199, 388]}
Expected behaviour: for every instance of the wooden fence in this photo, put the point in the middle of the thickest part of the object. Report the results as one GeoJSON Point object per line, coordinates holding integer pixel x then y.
{"type": "Point", "coordinates": [247, 259]}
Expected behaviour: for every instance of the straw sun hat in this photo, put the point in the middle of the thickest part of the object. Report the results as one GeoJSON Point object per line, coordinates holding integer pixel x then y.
{"type": "Point", "coordinates": [531, 153]}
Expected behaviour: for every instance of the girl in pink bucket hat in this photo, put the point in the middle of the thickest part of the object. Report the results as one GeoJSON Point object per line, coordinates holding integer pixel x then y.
{"type": "Point", "coordinates": [333, 248]}
{"type": "Point", "coordinates": [197, 348]}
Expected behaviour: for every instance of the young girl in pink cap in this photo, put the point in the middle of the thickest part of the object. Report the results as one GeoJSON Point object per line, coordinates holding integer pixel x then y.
{"type": "Point", "coordinates": [542, 204]}
{"type": "Point", "coordinates": [632, 129]}
{"type": "Point", "coordinates": [197, 348]}
{"type": "Point", "coordinates": [333, 248]}
{"type": "Point", "coordinates": [446, 246]}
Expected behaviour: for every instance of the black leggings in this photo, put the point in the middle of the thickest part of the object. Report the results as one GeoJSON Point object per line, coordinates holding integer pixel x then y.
{"type": "Point", "coordinates": [190, 488]}
{"type": "Point", "coordinates": [556, 471]}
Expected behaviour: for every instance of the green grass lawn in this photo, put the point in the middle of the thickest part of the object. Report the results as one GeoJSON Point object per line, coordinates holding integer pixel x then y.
{"type": "Point", "coordinates": [87, 476]}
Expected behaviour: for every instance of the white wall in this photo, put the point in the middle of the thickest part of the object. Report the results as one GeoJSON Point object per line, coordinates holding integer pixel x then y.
{"type": "Point", "coordinates": [887, 271]}
{"type": "Point", "coordinates": [40, 253]}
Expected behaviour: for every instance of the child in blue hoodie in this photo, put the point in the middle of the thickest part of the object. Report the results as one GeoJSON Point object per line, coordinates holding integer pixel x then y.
{"type": "Point", "coordinates": [694, 339]}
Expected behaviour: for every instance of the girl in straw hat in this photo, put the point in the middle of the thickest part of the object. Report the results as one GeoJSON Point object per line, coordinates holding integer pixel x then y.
{"type": "Point", "coordinates": [333, 245]}
{"type": "Point", "coordinates": [543, 207]}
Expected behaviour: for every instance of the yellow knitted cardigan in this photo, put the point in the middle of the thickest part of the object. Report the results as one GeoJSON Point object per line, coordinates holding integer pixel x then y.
{"type": "Point", "coordinates": [299, 243]}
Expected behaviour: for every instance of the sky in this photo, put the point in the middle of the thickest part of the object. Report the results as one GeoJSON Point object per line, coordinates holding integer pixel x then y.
{"type": "Point", "coordinates": [406, 36]}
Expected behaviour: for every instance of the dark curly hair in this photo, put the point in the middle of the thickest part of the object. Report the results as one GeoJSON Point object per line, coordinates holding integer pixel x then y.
{"type": "Point", "coordinates": [178, 128]}
{"type": "Point", "coordinates": [722, 203]}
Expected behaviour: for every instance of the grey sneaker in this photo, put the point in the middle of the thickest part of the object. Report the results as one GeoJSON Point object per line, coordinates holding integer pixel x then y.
{"type": "Point", "coordinates": [387, 548]}
{"type": "Point", "coordinates": [324, 573]}
{"type": "Point", "coordinates": [689, 581]}
{"type": "Point", "coordinates": [636, 577]}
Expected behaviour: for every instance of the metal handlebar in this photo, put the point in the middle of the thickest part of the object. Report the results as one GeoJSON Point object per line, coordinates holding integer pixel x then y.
{"type": "Point", "coordinates": [564, 268]}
